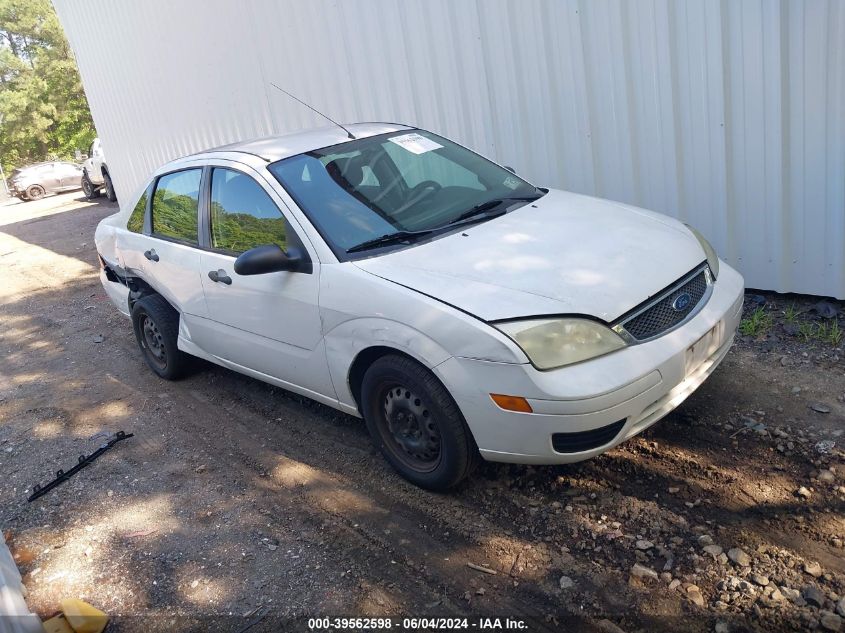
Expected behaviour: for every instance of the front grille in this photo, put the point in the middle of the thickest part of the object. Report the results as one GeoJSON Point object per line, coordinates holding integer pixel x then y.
{"type": "Point", "coordinates": [666, 313]}
{"type": "Point", "coordinates": [586, 440]}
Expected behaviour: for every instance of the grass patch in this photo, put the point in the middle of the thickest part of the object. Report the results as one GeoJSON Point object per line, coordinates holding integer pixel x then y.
{"type": "Point", "coordinates": [825, 332]}
{"type": "Point", "coordinates": [790, 313]}
{"type": "Point", "coordinates": [829, 332]}
{"type": "Point", "coordinates": [756, 324]}
{"type": "Point", "coordinates": [806, 331]}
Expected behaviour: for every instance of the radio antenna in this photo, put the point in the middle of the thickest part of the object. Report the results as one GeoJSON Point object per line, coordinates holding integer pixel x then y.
{"type": "Point", "coordinates": [348, 133]}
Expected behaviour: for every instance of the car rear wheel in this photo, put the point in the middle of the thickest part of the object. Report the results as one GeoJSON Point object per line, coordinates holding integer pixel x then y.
{"type": "Point", "coordinates": [35, 192]}
{"type": "Point", "coordinates": [416, 424]}
{"type": "Point", "coordinates": [156, 326]}
{"type": "Point", "coordinates": [88, 187]}
{"type": "Point", "coordinates": [110, 194]}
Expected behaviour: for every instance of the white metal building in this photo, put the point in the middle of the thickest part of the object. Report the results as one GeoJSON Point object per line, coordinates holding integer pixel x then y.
{"type": "Point", "coordinates": [728, 115]}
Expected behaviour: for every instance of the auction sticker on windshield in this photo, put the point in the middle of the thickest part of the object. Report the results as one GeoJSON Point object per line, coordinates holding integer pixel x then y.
{"type": "Point", "coordinates": [415, 143]}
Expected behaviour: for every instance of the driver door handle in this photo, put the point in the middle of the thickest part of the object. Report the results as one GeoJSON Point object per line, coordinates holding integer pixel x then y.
{"type": "Point", "coordinates": [151, 255]}
{"type": "Point", "coordinates": [221, 276]}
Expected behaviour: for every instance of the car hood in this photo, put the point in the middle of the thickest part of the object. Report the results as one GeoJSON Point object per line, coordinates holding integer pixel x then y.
{"type": "Point", "coordinates": [564, 254]}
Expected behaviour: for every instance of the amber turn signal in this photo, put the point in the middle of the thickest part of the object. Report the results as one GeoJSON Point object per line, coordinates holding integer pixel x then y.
{"type": "Point", "coordinates": [512, 403]}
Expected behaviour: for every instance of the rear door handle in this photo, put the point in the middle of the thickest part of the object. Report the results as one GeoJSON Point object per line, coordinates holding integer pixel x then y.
{"type": "Point", "coordinates": [151, 255]}
{"type": "Point", "coordinates": [221, 276]}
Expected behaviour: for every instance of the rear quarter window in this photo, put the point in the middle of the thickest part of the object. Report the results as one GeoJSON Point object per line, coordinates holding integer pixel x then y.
{"type": "Point", "coordinates": [136, 220]}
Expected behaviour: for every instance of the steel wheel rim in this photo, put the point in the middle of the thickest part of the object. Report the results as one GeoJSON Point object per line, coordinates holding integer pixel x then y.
{"type": "Point", "coordinates": [35, 193]}
{"type": "Point", "coordinates": [87, 187]}
{"type": "Point", "coordinates": [409, 429]}
{"type": "Point", "coordinates": [153, 342]}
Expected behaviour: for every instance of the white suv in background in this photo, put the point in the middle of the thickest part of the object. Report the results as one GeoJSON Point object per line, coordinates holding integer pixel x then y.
{"type": "Point", "coordinates": [95, 174]}
{"type": "Point", "coordinates": [400, 277]}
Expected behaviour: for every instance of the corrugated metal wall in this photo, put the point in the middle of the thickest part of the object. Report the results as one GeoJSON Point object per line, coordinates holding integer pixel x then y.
{"type": "Point", "coordinates": [727, 114]}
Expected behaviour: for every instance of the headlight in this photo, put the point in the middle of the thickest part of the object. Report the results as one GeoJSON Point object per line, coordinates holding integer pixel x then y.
{"type": "Point", "coordinates": [709, 251]}
{"type": "Point", "coordinates": [551, 343]}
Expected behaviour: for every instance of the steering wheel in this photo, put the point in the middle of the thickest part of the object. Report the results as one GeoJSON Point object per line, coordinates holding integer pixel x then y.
{"type": "Point", "coordinates": [431, 185]}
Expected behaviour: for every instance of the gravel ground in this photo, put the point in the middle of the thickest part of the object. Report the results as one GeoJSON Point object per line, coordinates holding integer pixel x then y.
{"type": "Point", "coordinates": [237, 503]}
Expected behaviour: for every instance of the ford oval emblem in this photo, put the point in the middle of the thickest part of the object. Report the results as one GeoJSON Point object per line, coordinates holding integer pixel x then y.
{"type": "Point", "coordinates": [681, 302]}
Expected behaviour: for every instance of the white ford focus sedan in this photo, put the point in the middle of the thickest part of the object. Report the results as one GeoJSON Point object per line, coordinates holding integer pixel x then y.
{"type": "Point", "coordinates": [398, 276]}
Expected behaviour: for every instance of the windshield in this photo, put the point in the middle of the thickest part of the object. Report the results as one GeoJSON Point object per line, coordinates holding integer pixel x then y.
{"type": "Point", "coordinates": [397, 183]}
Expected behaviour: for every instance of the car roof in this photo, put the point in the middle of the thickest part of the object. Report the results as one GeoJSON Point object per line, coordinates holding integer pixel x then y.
{"type": "Point", "coordinates": [46, 162]}
{"type": "Point", "coordinates": [273, 148]}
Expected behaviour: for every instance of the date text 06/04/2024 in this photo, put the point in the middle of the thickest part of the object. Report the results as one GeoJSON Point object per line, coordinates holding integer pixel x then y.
{"type": "Point", "coordinates": [416, 624]}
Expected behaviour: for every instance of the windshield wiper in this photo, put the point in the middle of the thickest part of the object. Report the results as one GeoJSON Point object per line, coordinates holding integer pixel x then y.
{"type": "Point", "coordinates": [389, 238]}
{"type": "Point", "coordinates": [481, 209]}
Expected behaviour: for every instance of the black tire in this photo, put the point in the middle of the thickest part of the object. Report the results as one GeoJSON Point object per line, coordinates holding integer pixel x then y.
{"type": "Point", "coordinates": [90, 190]}
{"type": "Point", "coordinates": [110, 194]}
{"type": "Point", "coordinates": [35, 192]}
{"type": "Point", "coordinates": [156, 326]}
{"type": "Point", "coordinates": [416, 424]}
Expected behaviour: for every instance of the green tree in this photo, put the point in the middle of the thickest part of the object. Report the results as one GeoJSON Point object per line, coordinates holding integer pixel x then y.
{"type": "Point", "coordinates": [43, 110]}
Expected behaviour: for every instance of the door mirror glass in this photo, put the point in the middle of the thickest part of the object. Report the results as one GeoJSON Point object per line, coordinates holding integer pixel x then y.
{"type": "Point", "coordinates": [269, 258]}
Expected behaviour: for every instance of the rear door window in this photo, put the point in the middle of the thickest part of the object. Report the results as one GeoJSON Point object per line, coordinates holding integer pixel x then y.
{"type": "Point", "coordinates": [175, 203]}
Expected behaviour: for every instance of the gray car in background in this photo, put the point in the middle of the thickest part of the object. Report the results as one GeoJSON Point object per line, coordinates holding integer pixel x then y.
{"type": "Point", "coordinates": [36, 181]}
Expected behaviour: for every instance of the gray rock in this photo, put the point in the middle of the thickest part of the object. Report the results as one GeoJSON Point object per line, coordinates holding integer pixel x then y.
{"type": "Point", "coordinates": [813, 568]}
{"type": "Point", "coordinates": [694, 594]}
{"type": "Point", "coordinates": [826, 310]}
{"type": "Point", "coordinates": [705, 539]}
{"type": "Point", "coordinates": [642, 544]}
{"type": "Point", "coordinates": [721, 627]}
{"type": "Point", "coordinates": [739, 557]}
{"type": "Point", "coordinates": [98, 338]}
{"type": "Point", "coordinates": [840, 607]}
{"type": "Point", "coordinates": [759, 579]}
{"type": "Point", "coordinates": [641, 571]}
{"type": "Point", "coordinates": [793, 595]}
{"type": "Point", "coordinates": [820, 407]}
{"type": "Point", "coordinates": [606, 626]}
{"type": "Point", "coordinates": [830, 621]}
{"type": "Point", "coordinates": [566, 582]}
{"type": "Point", "coordinates": [827, 476]}
{"type": "Point", "coordinates": [674, 584]}
{"type": "Point", "coordinates": [812, 595]}
{"type": "Point", "coordinates": [713, 550]}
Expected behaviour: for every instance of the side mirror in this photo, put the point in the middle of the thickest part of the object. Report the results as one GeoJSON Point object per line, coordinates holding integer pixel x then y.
{"type": "Point", "coordinates": [510, 169]}
{"type": "Point", "coordinates": [267, 259]}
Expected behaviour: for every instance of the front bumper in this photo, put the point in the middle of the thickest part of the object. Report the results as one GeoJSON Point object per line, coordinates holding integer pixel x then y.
{"type": "Point", "coordinates": [632, 388]}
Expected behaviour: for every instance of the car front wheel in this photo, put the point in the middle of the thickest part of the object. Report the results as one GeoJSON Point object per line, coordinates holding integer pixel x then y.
{"type": "Point", "coordinates": [416, 424]}
{"type": "Point", "coordinates": [156, 326]}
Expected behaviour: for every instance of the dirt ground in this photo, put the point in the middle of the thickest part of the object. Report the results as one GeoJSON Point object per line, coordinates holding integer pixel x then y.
{"type": "Point", "coordinates": [238, 505]}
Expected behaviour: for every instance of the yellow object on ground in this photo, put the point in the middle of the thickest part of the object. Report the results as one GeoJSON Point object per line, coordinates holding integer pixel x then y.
{"type": "Point", "coordinates": [57, 624]}
{"type": "Point", "coordinates": [82, 617]}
